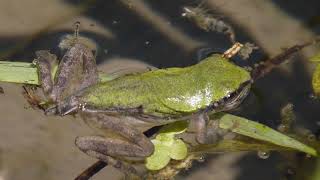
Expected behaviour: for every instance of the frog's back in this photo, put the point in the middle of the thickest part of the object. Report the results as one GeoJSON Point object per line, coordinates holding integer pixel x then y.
{"type": "Point", "coordinates": [172, 91]}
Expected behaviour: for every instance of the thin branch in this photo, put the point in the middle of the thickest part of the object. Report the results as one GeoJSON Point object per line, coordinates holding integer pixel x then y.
{"type": "Point", "coordinates": [91, 171]}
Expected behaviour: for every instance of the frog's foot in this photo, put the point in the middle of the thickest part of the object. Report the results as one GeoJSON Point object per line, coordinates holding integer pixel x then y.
{"type": "Point", "coordinates": [105, 149]}
{"type": "Point", "coordinates": [131, 143]}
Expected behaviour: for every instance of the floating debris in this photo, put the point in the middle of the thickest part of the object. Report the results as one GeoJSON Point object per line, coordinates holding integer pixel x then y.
{"type": "Point", "coordinates": [283, 128]}
{"type": "Point", "coordinates": [201, 159]}
{"type": "Point", "coordinates": [246, 50]}
{"type": "Point", "coordinates": [287, 118]}
{"type": "Point", "coordinates": [311, 137]}
{"type": "Point", "coordinates": [263, 154]}
{"type": "Point", "coordinates": [208, 22]}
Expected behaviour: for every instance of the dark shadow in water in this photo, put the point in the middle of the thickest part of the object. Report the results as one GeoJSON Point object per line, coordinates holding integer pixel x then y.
{"type": "Point", "coordinates": [133, 32]}
{"type": "Point", "coordinates": [253, 168]}
{"type": "Point", "coordinates": [301, 10]}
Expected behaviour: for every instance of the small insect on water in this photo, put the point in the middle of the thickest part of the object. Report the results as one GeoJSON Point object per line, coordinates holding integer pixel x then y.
{"type": "Point", "coordinates": [125, 107]}
{"type": "Point", "coordinates": [207, 22]}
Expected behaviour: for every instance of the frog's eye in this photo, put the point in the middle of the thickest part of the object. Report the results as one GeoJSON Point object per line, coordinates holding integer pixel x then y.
{"type": "Point", "coordinates": [232, 100]}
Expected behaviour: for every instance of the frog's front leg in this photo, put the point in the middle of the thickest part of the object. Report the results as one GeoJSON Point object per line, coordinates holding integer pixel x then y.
{"type": "Point", "coordinates": [131, 143]}
{"type": "Point", "coordinates": [199, 125]}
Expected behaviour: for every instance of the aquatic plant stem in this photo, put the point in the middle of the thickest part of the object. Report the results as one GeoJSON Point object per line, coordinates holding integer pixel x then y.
{"type": "Point", "coordinates": [26, 73]}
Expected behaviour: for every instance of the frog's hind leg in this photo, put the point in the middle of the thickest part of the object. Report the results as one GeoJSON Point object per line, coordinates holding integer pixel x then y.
{"type": "Point", "coordinates": [77, 65]}
{"type": "Point", "coordinates": [89, 68]}
{"type": "Point", "coordinates": [93, 151]}
{"type": "Point", "coordinates": [132, 142]}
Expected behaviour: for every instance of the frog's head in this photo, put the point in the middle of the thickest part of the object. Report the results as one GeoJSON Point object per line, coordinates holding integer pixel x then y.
{"type": "Point", "coordinates": [232, 100]}
{"type": "Point", "coordinates": [232, 83]}
{"type": "Point", "coordinates": [228, 83]}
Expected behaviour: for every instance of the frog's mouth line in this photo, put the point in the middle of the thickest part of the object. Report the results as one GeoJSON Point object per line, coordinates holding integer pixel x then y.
{"type": "Point", "coordinates": [233, 100]}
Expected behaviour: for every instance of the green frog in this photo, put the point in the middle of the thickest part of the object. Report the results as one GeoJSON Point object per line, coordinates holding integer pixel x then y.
{"type": "Point", "coordinates": [127, 106]}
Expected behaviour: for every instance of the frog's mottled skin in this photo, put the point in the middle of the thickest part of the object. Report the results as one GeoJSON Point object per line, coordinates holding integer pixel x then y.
{"type": "Point", "coordinates": [172, 91]}
{"type": "Point", "coordinates": [131, 104]}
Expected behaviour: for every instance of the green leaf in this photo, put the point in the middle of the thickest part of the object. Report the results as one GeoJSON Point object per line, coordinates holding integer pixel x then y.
{"type": "Point", "coordinates": [179, 150]}
{"type": "Point", "coordinates": [174, 128]}
{"type": "Point", "coordinates": [27, 73]}
{"type": "Point", "coordinates": [316, 58]}
{"type": "Point", "coordinates": [18, 72]}
{"type": "Point", "coordinates": [237, 145]}
{"type": "Point", "coordinates": [316, 172]}
{"type": "Point", "coordinates": [160, 158]}
{"type": "Point", "coordinates": [166, 139]}
{"type": "Point", "coordinates": [167, 146]}
{"type": "Point", "coordinates": [316, 81]}
{"type": "Point", "coordinates": [261, 132]}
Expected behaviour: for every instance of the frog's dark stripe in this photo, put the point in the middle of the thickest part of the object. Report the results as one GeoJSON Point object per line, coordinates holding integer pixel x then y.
{"type": "Point", "coordinates": [231, 101]}
{"type": "Point", "coordinates": [136, 112]}
{"type": "Point", "coordinates": [116, 110]}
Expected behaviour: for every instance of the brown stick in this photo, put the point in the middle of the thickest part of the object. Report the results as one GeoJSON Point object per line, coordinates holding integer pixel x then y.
{"type": "Point", "coordinates": [91, 171]}
{"type": "Point", "coordinates": [269, 64]}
